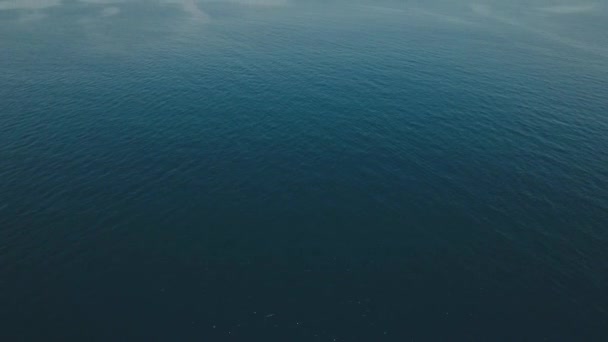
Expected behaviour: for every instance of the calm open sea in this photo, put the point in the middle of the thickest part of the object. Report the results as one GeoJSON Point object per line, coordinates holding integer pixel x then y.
{"type": "Point", "coordinates": [289, 171]}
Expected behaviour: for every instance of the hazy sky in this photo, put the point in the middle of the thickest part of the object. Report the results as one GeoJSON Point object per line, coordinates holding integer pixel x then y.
{"type": "Point", "coordinates": [558, 7]}
{"type": "Point", "coordinates": [578, 24]}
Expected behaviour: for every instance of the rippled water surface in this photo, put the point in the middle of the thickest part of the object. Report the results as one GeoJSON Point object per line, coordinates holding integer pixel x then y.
{"type": "Point", "coordinates": [296, 171]}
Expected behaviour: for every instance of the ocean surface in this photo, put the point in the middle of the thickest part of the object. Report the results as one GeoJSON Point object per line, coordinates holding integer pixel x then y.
{"type": "Point", "coordinates": [278, 170]}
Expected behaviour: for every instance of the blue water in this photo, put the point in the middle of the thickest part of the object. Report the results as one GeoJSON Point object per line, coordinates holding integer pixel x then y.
{"type": "Point", "coordinates": [289, 171]}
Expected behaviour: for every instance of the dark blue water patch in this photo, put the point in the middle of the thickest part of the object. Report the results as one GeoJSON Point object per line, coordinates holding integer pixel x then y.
{"type": "Point", "coordinates": [270, 179]}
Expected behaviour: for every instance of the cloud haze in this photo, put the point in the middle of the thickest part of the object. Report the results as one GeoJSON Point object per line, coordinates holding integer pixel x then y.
{"type": "Point", "coordinates": [570, 9]}
{"type": "Point", "coordinates": [568, 22]}
{"type": "Point", "coordinates": [28, 4]}
{"type": "Point", "coordinates": [110, 11]}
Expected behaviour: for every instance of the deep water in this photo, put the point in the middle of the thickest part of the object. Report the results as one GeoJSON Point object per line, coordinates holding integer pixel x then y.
{"type": "Point", "coordinates": [282, 171]}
